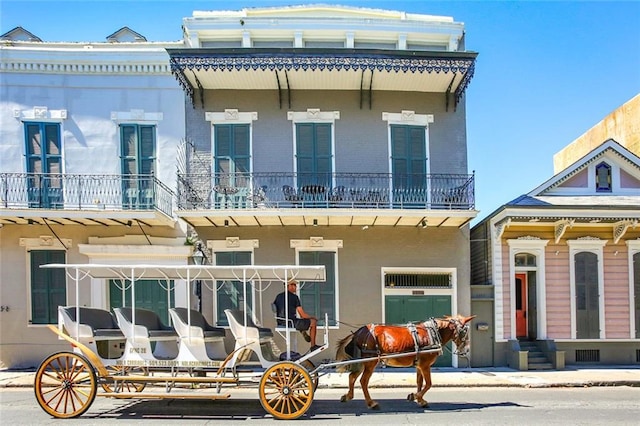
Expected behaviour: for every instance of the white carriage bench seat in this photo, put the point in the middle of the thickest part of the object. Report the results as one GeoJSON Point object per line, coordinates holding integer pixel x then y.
{"type": "Point", "coordinates": [236, 316]}
{"type": "Point", "coordinates": [147, 328]}
{"type": "Point", "coordinates": [148, 323]}
{"type": "Point", "coordinates": [200, 326]}
{"type": "Point", "coordinates": [94, 323]}
{"type": "Point", "coordinates": [201, 340]}
{"type": "Point", "coordinates": [250, 338]}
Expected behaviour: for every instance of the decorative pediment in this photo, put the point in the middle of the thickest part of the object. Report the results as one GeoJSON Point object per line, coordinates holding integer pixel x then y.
{"type": "Point", "coordinates": [19, 34]}
{"type": "Point", "coordinates": [126, 35]}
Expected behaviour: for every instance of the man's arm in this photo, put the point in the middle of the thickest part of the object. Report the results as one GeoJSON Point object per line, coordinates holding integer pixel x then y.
{"type": "Point", "coordinates": [303, 314]}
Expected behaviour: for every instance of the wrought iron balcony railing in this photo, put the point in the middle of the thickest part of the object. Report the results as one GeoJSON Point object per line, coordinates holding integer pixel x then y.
{"type": "Point", "coordinates": [212, 191]}
{"type": "Point", "coordinates": [84, 192]}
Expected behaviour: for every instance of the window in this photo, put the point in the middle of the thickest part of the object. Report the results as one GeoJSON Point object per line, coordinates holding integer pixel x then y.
{"type": "Point", "coordinates": [44, 164]}
{"type": "Point", "coordinates": [603, 177]}
{"type": "Point", "coordinates": [314, 154]}
{"type": "Point", "coordinates": [319, 298]}
{"type": "Point", "coordinates": [232, 160]}
{"type": "Point", "coordinates": [231, 294]}
{"type": "Point", "coordinates": [138, 145]}
{"type": "Point", "coordinates": [587, 298]}
{"type": "Point", "coordinates": [48, 286]}
{"type": "Point", "coordinates": [408, 156]}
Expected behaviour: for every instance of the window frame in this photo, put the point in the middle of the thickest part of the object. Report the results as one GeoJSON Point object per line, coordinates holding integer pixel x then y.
{"type": "Point", "coordinates": [31, 247]}
{"type": "Point", "coordinates": [634, 322]}
{"type": "Point", "coordinates": [318, 244]}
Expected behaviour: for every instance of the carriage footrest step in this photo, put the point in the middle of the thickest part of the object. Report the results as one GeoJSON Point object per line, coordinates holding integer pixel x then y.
{"type": "Point", "coordinates": [164, 395]}
{"type": "Point", "coordinates": [168, 379]}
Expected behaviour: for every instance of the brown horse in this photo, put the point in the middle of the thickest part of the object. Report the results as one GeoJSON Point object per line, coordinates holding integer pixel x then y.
{"type": "Point", "coordinates": [388, 342]}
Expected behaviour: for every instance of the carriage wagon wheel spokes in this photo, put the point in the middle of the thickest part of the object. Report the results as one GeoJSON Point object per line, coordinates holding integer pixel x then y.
{"type": "Point", "coordinates": [125, 385]}
{"type": "Point", "coordinates": [286, 390]}
{"type": "Point", "coordinates": [65, 385]}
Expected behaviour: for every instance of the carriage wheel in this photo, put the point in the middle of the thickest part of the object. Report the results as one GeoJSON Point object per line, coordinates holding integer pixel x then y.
{"type": "Point", "coordinates": [286, 390]}
{"type": "Point", "coordinates": [315, 379]}
{"type": "Point", "coordinates": [65, 385]}
{"type": "Point", "coordinates": [124, 385]}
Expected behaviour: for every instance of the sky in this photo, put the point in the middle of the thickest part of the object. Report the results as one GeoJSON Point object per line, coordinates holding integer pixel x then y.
{"type": "Point", "coordinates": [546, 72]}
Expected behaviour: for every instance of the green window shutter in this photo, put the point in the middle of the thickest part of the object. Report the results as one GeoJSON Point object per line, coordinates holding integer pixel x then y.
{"type": "Point", "coordinates": [408, 156]}
{"type": "Point", "coordinates": [48, 286]}
{"type": "Point", "coordinates": [232, 151]}
{"type": "Point", "coordinates": [318, 298]}
{"type": "Point", "coordinates": [314, 155]}
{"type": "Point", "coordinates": [230, 294]}
{"type": "Point", "coordinates": [587, 298]}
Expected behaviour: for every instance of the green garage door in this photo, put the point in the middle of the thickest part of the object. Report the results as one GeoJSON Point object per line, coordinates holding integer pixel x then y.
{"type": "Point", "coordinates": [404, 309]}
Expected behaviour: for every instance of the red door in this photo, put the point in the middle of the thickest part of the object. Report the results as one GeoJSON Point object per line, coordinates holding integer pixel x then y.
{"type": "Point", "coordinates": [521, 305]}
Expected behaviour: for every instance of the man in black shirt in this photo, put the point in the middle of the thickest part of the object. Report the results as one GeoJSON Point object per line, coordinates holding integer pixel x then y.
{"type": "Point", "coordinates": [301, 320]}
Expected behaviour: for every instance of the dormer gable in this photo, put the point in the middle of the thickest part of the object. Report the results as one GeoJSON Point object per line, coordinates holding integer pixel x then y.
{"type": "Point", "coordinates": [126, 35]}
{"type": "Point", "coordinates": [609, 169]}
{"type": "Point", "coordinates": [19, 34]}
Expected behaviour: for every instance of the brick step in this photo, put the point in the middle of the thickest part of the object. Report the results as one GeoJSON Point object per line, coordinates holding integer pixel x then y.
{"type": "Point", "coordinates": [541, 366]}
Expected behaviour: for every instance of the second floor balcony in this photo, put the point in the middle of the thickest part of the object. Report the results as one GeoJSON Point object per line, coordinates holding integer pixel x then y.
{"type": "Point", "coordinates": [68, 199]}
{"type": "Point", "coordinates": [272, 198]}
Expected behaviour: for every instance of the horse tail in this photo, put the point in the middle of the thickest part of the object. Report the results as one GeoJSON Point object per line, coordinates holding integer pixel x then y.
{"type": "Point", "coordinates": [345, 352]}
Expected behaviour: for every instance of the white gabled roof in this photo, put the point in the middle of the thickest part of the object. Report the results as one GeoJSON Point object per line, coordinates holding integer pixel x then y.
{"type": "Point", "coordinates": [610, 148]}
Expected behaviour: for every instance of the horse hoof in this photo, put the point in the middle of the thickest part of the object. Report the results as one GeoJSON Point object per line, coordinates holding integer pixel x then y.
{"type": "Point", "coordinates": [374, 406]}
{"type": "Point", "coordinates": [344, 398]}
{"type": "Point", "coordinates": [423, 404]}
{"type": "Point", "coordinates": [410, 397]}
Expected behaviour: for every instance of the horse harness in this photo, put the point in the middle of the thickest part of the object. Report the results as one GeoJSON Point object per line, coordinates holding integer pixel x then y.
{"type": "Point", "coordinates": [432, 340]}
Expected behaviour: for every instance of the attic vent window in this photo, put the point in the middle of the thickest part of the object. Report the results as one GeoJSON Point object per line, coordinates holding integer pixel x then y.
{"type": "Point", "coordinates": [603, 177]}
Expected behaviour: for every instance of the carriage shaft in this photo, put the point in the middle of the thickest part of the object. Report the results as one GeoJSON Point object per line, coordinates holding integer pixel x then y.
{"type": "Point", "coordinates": [379, 358]}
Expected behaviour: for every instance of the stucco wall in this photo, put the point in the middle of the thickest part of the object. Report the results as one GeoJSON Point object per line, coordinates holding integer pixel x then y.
{"type": "Point", "coordinates": [361, 134]}
{"type": "Point", "coordinates": [90, 138]}
{"type": "Point", "coordinates": [622, 125]}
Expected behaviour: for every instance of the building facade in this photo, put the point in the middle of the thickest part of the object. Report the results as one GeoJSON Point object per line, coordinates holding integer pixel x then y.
{"type": "Point", "coordinates": [555, 272]}
{"type": "Point", "coordinates": [310, 135]}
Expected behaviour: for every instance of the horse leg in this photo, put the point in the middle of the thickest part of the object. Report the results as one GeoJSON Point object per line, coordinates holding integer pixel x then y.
{"type": "Point", "coordinates": [364, 382]}
{"type": "Point", "coordinates": [419, 380]}
{"type": "Point", "coordinates": [352, 380]}
{"type": "Point", "coordinates": [425, 368]}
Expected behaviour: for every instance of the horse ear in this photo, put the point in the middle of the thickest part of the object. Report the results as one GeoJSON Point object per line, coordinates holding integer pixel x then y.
{"type": "Point", "coordinates": [468, 319]}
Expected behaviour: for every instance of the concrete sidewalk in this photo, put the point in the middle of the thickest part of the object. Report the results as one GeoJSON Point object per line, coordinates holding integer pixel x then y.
{"type": "Point", "coordinates": [449, 377]}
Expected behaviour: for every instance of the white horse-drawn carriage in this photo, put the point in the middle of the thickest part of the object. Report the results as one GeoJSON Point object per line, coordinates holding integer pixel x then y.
{"type": "Point", "coordinates": [188, 352]}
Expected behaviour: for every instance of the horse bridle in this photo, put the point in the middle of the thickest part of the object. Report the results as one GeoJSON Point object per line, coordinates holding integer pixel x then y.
{"type": "Point", "coordinates": [460, 334]}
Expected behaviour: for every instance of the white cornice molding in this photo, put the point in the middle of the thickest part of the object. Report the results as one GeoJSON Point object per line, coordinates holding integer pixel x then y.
{"type": "Point", "coordinates": [40, 113]}
{"type": "Point", "coordinates": [136, 115]}
{"type": "Point", "coordinates": [231, 116]}
{"type": "Point", "coordinates": [313, 114]}
{"type": "Point", "coordinates": [46, 241]}
{"type": "Point", "coordinates": [233, 244]}
{"type": "Point", "coordinates": [316, 243]}
{"type": "Point", "coordinates": [407, 117]}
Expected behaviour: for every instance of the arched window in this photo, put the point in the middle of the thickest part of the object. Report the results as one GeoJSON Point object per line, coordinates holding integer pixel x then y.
{"type": "Point", "coordinates": [525, 259]}
{"type": "Point", "coordinates": [603, 177]}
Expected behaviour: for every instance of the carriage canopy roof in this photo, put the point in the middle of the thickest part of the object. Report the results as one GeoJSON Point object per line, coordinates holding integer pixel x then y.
{"type": "Point", "coordinates": [191, 272]}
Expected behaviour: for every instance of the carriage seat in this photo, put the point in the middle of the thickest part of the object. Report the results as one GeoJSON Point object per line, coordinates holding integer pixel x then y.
{"type": "Point", "coordinates": [199, 325]}
{"type": "Point", "coordinates": [237, 325]}
{"type": "Point", "coordinates": [94, 323]}
{"type": "Point", "coordinates": [148, 324]}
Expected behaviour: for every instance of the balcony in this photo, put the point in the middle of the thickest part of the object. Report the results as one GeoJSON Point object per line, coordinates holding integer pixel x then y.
{"type": "Point", "coordinates": [261, 199]}
{"type": "Point", "coordinates": [73, 199]}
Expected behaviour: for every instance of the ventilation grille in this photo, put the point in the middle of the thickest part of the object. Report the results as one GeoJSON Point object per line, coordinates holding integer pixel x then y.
{"type": "Point", "coordinates": [418, 280]}
{"type": "Point", "coordinates": [587, 355]}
